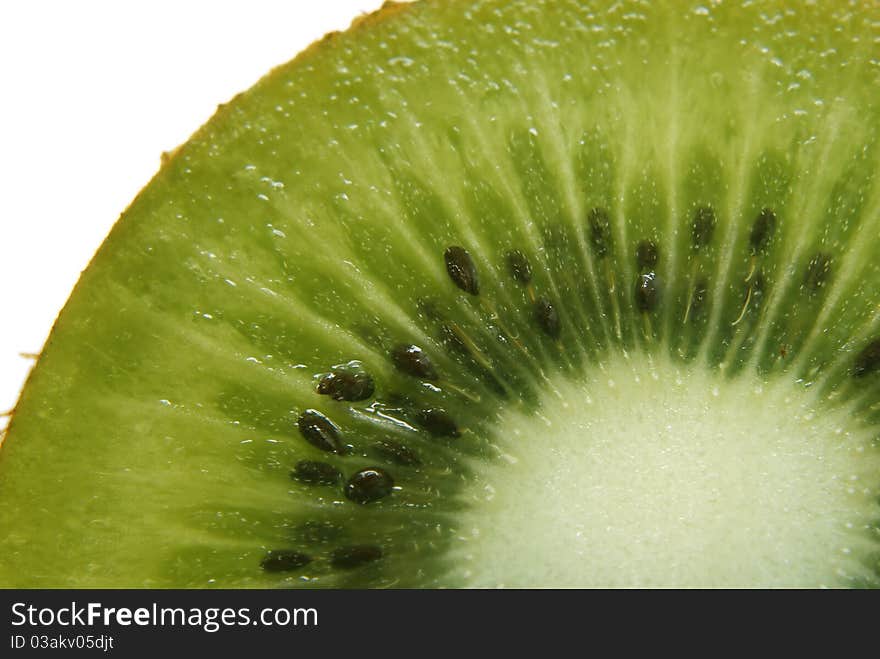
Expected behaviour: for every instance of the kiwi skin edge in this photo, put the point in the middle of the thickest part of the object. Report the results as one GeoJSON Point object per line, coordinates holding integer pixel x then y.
{"type": "Point", "coordinates": [710, 313]}
{"type": "Point", "coordinates": [363, 21]}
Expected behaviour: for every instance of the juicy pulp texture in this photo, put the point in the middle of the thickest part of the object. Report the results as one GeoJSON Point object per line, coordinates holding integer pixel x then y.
{"type": "Point", "coordinates": [309, 225]}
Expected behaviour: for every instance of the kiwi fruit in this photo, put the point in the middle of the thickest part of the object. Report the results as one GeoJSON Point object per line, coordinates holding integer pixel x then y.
{"type": "Point", "coordinates": [485, 293]}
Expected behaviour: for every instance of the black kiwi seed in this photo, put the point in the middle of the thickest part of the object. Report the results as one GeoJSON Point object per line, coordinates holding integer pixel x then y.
{"type": "Point", "coordinates": [319, 431]}
{"type": "Point", "coordinates": [398, 453]}
{"type": "Point", "coordinates": [547, 317]}
{"type": "Point", "coordinates": [438, 422]}
{"type": "Point", "coordinates": [647, 255]}
{"type": "Point", "coordinates": [347, 558]}
{"type": "Point", "coordinates": [312, 472]}
{"type": "Point", "coordinates": [461, 269]}
{"type": "Point", "coordinates": [762, 230]}
{"type": "Point", "coordinates": [284, 561]}
{"type": "Point", "coordinates": [520, 268]}
{"type": "Point", "coordinates": [368, 485]}
{"type": "Point", "coordinates": [347, 382]}
{"type": "Point", "coordinates": [647, 292]}
{"type": "Point", "coordinates": [818, 272]}
{"type": "Point", "coordinates": [703, 227]}
{"type": "Point", "coordinates": [600, 231]}
{"type": "Point", "coordinates": [412, 360]}
{"type": "Point", "coordinates": [868, 360]}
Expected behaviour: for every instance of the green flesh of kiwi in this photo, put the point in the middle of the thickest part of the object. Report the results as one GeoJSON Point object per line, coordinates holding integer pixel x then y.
{"type": "Point", "coordinates": [485, 294]}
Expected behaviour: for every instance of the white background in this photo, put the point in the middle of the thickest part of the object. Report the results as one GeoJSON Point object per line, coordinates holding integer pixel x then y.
{"type": "Point", "coordinates": [91, 94]}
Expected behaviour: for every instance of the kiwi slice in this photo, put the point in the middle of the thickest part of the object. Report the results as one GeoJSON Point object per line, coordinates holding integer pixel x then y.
{"type": "Point", "coordinates": [485, 293]}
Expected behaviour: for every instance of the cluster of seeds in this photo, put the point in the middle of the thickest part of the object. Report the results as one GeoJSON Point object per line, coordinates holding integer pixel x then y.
{"type": "Point", "coordinates": [350, 382]}
{"type": "Point", "coordinates": [344, 558]}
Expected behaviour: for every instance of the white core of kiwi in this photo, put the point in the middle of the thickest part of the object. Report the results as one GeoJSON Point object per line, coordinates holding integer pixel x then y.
{"type": "Point", "coordinates": [653, 473]}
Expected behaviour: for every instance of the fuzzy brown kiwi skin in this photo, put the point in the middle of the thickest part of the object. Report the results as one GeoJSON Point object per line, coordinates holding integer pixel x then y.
{"type": "Point", "coordinates": [167, 160]}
